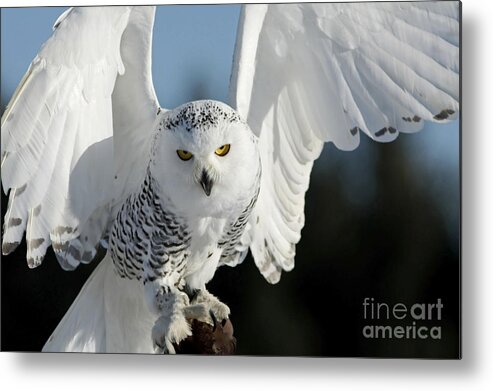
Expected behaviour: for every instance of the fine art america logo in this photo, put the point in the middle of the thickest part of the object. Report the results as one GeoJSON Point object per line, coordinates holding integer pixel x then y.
{"type": "Point", "coordinates": [417, 321]}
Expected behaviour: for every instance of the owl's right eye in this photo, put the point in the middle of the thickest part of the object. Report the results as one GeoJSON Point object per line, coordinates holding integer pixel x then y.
{"type": "Point", "coordinates": [184, 155]}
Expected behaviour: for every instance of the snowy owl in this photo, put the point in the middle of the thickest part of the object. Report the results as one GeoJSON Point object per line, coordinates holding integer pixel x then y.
{"type": "Point", "coordinates": [90, 158]}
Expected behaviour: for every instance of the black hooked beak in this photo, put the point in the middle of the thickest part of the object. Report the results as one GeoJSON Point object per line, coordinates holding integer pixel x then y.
{"type": "Point", "coordinates": [206, 182]}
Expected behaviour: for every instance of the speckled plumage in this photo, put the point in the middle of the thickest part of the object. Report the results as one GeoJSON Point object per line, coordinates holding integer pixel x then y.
{"type": "Point", "coordinates": [192, 116]}
{"type": "Point", "coordinates": [148, 242]}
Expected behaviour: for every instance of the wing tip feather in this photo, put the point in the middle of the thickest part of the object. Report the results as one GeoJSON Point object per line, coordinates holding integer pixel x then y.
{"type": "Point", "coordinates": [9, 247]}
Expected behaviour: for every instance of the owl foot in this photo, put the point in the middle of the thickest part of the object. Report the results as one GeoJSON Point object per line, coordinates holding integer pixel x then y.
{"type": "Point", "coordinates": [176, 312]}
{"type": "Point", "coordinates": [216, 310]}
{"type": "Point", "coordinates": [199, 312]}
{"type": "Point", "coordinates": [167, 331]}
{"type": "Point", "coordinates": [171, 327]}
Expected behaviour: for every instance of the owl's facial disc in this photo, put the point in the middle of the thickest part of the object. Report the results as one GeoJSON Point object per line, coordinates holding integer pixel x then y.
{"type": "Point", "coordinates": [205, 174]}
{"type": "Point", "coordinates": [205, 158]}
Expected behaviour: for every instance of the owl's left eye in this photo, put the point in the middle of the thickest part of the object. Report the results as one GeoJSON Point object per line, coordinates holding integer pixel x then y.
{"type": "Point", "coordinates": [223, 150]}
{"type": "Point", "coordinates": [184, 155]}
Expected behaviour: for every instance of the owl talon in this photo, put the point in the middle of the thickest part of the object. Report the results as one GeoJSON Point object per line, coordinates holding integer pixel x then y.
{"type": "Point", "coordinates": [214, 320]}
{"type": "Point", "coordinates": [217, 311]}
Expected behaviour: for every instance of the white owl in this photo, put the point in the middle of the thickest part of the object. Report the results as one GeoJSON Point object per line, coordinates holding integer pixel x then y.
{"type": "Point", "coordinates": [90, 158]}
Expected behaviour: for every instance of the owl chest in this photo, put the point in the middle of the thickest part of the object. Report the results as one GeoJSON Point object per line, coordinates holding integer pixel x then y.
{"type": "Point", "coordinates": [151, 239]}
{"type": "Point", "coordinates": [148, 242]}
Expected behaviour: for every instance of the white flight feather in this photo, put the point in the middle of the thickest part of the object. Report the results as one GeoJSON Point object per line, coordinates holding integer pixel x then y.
{"type": "Point", "coordinates": [313, 73]}
{"type": "Point", "coordinates": [69, 129]}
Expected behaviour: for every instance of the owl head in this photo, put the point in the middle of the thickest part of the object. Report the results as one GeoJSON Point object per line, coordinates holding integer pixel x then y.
{"type": "Point", "coordinates": [205, 158]}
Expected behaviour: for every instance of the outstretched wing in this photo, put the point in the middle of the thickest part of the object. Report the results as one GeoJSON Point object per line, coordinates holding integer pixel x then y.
{"type": "Point", "coordinates": [305, 74]}
{"type": "Point", "coordinates": [76, 132]}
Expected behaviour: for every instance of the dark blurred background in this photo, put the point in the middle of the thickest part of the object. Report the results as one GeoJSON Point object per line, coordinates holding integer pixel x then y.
{"type": "Point", "coordinates": [382, 221]}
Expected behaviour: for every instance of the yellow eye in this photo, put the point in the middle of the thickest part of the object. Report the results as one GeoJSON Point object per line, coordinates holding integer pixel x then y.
{"type": "Point", "coordinates": [223, 150]}
{"type": "Point", "coordinates": [184, 155]}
